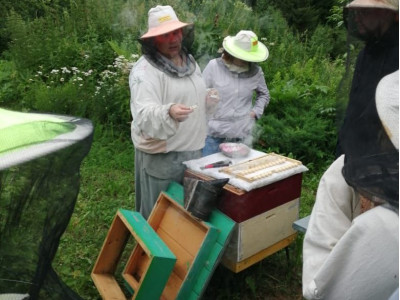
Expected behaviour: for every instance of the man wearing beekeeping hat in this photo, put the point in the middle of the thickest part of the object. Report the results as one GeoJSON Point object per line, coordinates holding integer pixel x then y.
{"type": "Point", "coordinates": [351, 247]}
{"type": "Point", "coordinates": [376, 22]}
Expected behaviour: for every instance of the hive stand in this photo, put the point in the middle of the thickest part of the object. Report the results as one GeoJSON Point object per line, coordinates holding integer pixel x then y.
{"type": "Point", "coordinates": [149, 265]}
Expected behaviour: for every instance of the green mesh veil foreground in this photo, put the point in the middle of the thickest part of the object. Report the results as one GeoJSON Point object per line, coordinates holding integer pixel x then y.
{"type": "Point", "coordinates": [40, 158]}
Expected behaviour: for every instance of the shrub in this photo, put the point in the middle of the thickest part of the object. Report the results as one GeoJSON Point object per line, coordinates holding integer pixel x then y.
{"type": "Point", "coordinates": [301, 72]}
{"type": "Point", "coordinates": [300, 119]}
{"type": "Point", "coordinates": [102, 97]}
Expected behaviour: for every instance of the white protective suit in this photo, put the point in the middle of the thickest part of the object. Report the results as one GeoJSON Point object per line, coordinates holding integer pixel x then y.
{"type": "Point", "coordinates": [348, 255]}
{"type": "Point", "coordinates": [153, 92]}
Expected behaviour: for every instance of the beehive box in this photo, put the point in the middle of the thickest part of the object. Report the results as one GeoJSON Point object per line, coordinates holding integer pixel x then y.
{"type": "Point", "coordinates": [196, 285]}
{"type": "Point", "coordinates": [240, 205]}
{"type": "Point", "coordinates": [261, 232]}
{"type": "Point", "coordinates": [253, 210]}
{"type": "Point", "coordinates": [149, 266]}
{"type": "Point", "coordinates": [189, 239]}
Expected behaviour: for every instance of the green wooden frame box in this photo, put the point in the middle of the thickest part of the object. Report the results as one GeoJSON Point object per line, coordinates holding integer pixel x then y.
{"type": "Point", "coordinates": [188, 238]}
{"type": "Point", "coordinates": [195, 285]}
{"type": "Point", "coordinates": [149, 266]}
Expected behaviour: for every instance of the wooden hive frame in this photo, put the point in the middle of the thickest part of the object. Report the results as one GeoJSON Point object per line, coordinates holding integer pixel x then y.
{"type": "Point", "coordinates": [148, 267]}
{"type": "Point", "coordinates": [261, 167]}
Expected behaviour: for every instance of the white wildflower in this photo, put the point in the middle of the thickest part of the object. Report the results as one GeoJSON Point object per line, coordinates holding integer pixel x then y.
{"type": "Point", "coordinates": [65, 70]}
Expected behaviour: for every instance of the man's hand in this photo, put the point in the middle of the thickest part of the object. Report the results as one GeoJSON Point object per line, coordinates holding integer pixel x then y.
{"type": "Point", "coordinates": [180, 112]}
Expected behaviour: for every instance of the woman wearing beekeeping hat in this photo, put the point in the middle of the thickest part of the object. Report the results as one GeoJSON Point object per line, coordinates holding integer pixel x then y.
{"type": "Point", "coordinates": [376, 22]}
{"type": "Point", "coordinates": [167, 105]}
{"type": "Point", "coordinates": [237, 77]}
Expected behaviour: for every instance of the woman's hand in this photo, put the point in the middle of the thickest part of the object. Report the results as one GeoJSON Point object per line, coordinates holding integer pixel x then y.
{"type": "Point", "coordinates": [180, 112]}
{"type": "Point", "coordinates": [212, 100]}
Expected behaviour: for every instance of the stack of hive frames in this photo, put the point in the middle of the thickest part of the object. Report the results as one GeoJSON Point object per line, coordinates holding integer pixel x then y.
{"type": "Point", "coordinates": [261, 167]}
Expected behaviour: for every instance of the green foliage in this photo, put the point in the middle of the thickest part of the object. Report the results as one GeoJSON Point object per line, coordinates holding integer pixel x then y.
{"type": "Point", "coordinates": [336, 13]}
{"type": "Point", "coordinates": [301, 116]}
{"type": "Point", "coordinates": [85, 39]}
{"type": "Point", "coordinates": [102, 97]}
{"type": "Point", "coordinates": [301, 15]}
{"type": "Point", "coordinates": [214, 20]}
{"type": "Point", "coordinates": [8, 83]}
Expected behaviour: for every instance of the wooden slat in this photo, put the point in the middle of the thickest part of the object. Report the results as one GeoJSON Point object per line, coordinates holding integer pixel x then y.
{"type": "Point", "coordinates": [172, 287]}
{"type": "Point", "coordinates": [184, 258]}
{"type": "Point", "coordinates": [108, 287]}
{"type": "Point", "coordinates": [112, 247]}
{"type": "Point", "coordinates": [183, 229]}
{"type": "Point", "coordinates": [137, 266]}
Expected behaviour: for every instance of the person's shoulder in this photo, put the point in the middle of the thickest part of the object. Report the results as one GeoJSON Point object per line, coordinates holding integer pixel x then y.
{"type": "Point", "coordinates": [141, 63]}
{"type": "Point", "coordinates": [143, 68]}
{"type": "Point", "coordinates": [211, 66]}
{"type": "Point", "coordinates": [215, 61]}
{"type": "Point", "coordinates": [257, 67]}
{"type": "Point", "coordinates": [380, 217]}
{"type": "Point", "coordinates": [335, 169]}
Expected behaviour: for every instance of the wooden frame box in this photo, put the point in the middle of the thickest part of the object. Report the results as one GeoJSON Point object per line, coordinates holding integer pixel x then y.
{"type": "Point", "coordinates": [148, 267]}
{"type": "Point", "coordinates": [197, 284]}
{"type": "Point", "coordinates": [189, 239]}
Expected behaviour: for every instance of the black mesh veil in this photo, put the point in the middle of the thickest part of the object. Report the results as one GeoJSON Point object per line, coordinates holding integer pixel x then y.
{"type": "Point", "coordinates": [377, 55]}
{"type": "Point", "coordinates": [39, 184]}
{"type": "Point", "coordinates": [371, 158]}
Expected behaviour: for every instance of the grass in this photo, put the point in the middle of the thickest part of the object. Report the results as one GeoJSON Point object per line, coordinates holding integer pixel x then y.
{"type": "Point", "coordinates": [108, 184]}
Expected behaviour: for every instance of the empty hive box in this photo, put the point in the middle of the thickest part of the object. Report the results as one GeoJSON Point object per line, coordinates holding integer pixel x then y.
{"type": "Point", "coordinates": [224, 225]}
{"type": "Point", "coordinates": [189, 239]}
{"type": "Point", "coordinates": [149, 266]}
